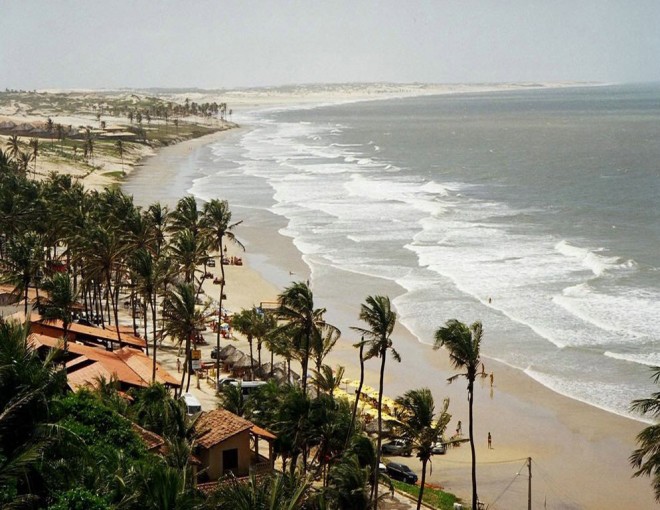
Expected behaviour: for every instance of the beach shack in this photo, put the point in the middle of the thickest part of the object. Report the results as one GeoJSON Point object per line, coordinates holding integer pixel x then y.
{"type": "Point", "coordinates": [107, 338]}
{"type": "Point", "coordinates": [227, 443]}
{"type": "Point", "coordinates": [85, 364]}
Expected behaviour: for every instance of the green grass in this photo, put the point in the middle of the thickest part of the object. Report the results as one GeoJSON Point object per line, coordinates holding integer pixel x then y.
{"type": "Point", "coordinates": [433, 497]}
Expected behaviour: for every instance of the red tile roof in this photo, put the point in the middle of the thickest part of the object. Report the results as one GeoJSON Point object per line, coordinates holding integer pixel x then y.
{"type": "Point", "coordinates": [258, 431]}
{"type": "Point", "coordinates": [127, 364]}
{"type": "Point", "coordinates": [103, 334]}
{"type": "Point", "coordinates": [216, 426]}
{"type": "Point", "coordinates": [152, 440]}
{"type": "Point", "coordinates": [87, 375]}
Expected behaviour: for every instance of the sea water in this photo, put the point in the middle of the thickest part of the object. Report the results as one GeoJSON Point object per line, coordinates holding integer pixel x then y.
{"type": "Point", "coordinates": [534, 211]}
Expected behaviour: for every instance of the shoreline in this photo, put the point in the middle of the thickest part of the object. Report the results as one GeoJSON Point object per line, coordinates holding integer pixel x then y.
{"type": "Point", "coordinates": [579, 444]}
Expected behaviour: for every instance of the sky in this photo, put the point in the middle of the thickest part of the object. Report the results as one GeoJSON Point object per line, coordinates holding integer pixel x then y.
{"type": "Point", "coordinates": [46, 44]}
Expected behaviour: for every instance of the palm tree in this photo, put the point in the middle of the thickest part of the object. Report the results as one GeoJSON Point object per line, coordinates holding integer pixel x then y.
{"type": "Point", "coordinates": [34, 144]}
{"type": "Point", "coordinates": [304, 324]}
{"type": "Point", "coordinates": [189, 250]}
{"type": "Point", "coordinates": [378, 314]}
{"type": "Point", "coordinates": [183, 321]}
{"type": "Point", "coordinates": [14, 146]}
{"type": "Point", "coordinates": [322, 346]}
{"type": "Point", "coordinates": [361, 345]}
{"type": "Point", "coordinates": [159, 217]}
{"type": "Point", "coordinates": [248, 322]}
{"type": "Point", "coordinates": [61, 302]}
{"type": "Point", "coordinates": [147, 277]}
{"type": "Point", "coordinates": [119, 145]}
{"type": "Point", "coordinates": [463, 344]}
{"type": "Point", "coordinates": [348, 484]}
{"type": "Point", "coordinates": [646, 459]}
{"type": "Point", "coordinates": [161, 487]}
{"type": "Point", "coordinates": [156, 410]}
{"type": "Point", "coordinates": [60, 135]}
{"type": "Point", "coordinates": [233, 401]}
{"type": "Point", "coordinates": [328, 380]}
{"type": "Point", "coordinates": [104, 254]}
{"type": "Point", "coordinates": [49, 128]}
{"type": "Point", "coordinates": [23, 263]}
{"type": "Point", "coordinates": [420, 426]}
{"type": "Point", "coordinates": [24, 159]}
{"type": "Point", "coordinates": [217, 227]}
{"type": "Point", "coordinates": [274, 492]}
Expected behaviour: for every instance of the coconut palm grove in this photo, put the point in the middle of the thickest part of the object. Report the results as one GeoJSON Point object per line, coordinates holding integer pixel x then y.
{"type": "Point", "coordinates": [68, 254]}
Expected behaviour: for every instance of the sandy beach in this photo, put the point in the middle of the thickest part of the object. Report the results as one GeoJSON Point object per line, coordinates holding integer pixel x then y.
{"type": "Point", "coordinates": [579, 453]}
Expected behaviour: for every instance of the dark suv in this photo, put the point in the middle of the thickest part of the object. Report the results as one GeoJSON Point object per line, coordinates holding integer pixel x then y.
{"type": "Point", "coordinates": [401, 472]}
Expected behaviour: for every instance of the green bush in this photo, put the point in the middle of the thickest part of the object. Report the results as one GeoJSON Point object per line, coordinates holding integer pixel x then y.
{"type": "Point", "coordinates": [79, 499]}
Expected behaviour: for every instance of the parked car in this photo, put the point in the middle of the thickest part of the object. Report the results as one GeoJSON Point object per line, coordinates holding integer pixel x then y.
{"type": "Point", "coordinates": [397, 447]}
{"type": "Point", "coordinates": [439, 448]}
{"type": "Point", "coordinates": [225, 381]}
{"type": "Point", "coordinates": [401, 472]}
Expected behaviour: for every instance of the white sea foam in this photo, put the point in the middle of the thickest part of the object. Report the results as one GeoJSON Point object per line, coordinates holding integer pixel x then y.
{"type": "Point", "coordinates": [597, 264]}
{"type": "Point", "coordinates": [651, 359]}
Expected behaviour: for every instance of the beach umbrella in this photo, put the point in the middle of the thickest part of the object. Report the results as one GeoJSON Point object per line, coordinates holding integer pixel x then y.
{"type": "Point", "coordinates": [226, 351]}
{"type": "Point", "coordinates": [244, 362]}
{"type": "Point", "coordinates": [234, 357]}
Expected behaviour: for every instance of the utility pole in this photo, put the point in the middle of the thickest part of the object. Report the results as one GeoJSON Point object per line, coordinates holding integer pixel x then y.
{"type": "Point", "coordinates": [529, 484]}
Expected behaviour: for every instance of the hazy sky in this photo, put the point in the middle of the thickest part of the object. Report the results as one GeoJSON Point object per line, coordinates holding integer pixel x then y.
{"type": "Point", "coordinates": [222, 44]}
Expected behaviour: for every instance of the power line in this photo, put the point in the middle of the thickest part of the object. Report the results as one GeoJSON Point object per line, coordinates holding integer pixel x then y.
{"type": "Point", "coordinates": [515, 477]}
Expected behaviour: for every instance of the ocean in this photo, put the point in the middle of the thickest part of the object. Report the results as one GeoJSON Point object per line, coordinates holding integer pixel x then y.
{"type": "Point", "coordinates": [534, 211]}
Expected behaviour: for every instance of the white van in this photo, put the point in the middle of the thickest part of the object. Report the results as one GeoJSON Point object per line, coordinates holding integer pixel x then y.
{"type": "Point", "coordinates": [247, 387]}
{"type": "Point", "coordinates": [193, 406]}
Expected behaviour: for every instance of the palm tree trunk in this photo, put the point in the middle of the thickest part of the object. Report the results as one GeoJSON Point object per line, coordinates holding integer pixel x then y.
{"type": "Point", "coordinates": [188, 363]}
{"type": "Point", "coordinates": [305, 363]}
{"type": "Point", "coordinates": [183, 375]}
{"type": "Point", "coordinates": [249, 339]}
{"type": "Point", "coordinates": [421, 484]}
{"type": "Point", "coordinates": [222, 293]}
{"type": "Point", "coordinates": [27, 288]}
{"type": "Point", "coordinates": [472, 449]}
{"type": "Point", "coordinates": [114, 308]}
{"type": "Point", "coordinates": [380, 425]}
{"type": "Point", "coordinates": [153, 334]}
{"type": "Point", "coordinates": [357, 394]}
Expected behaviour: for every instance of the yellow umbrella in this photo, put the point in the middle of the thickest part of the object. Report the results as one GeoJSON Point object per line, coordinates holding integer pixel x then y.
{"type": "Point", "coordinates": [370, 411]}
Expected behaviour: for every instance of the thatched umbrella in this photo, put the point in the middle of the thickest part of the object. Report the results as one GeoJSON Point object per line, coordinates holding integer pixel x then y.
{"type": "Point", "coordinates": [226, 351]}
{"type": "Point", "coordinates": [242, 366]}
{"type": "Point", "coordinates": [234, 357]}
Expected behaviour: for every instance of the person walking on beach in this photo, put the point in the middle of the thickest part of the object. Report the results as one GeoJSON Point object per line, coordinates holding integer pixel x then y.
{"type": "Point", "coordinates": [459, 428]}
{"type": "Point", "coordinates": [491, 379]}
{"type": "Point", "coordinates": [178, 365]}
{"type": "Point", "coordinates": [490, 441]}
